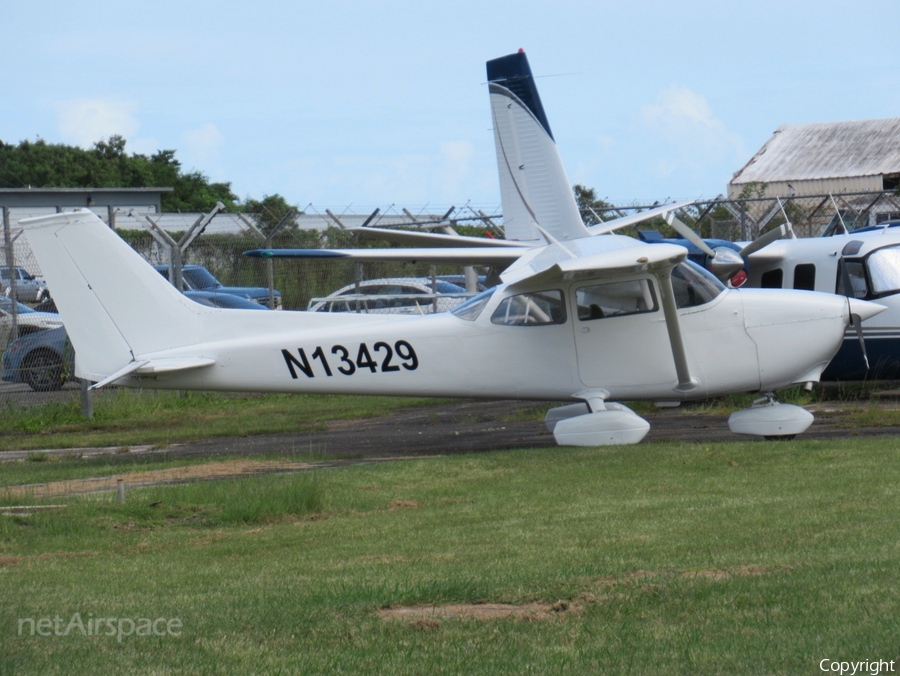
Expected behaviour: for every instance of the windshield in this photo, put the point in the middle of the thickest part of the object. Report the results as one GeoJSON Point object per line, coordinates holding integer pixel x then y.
{"type": "Point", "coordinates": [6, 306]}
{"type": "Point", "coordinates": [694, 285]}
{"type": "Point", "coordinates": [473, 307]}
{"type": "Point", "coordinates": [884, 271]}
{"type": "Point", "coordinates": [448, 287]}
{"type": "Point", "coordinates": [199, 278]}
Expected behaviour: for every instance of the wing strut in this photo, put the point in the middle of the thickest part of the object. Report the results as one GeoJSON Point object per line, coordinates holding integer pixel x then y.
{"type": "Point", "coordinates": [685, 382]}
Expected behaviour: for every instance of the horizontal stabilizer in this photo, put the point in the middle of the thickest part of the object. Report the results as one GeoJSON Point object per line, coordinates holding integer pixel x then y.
{"type": "Point", "coordinates": [157, 366]}
{"type": "Point", "coordinates": [154, 367]}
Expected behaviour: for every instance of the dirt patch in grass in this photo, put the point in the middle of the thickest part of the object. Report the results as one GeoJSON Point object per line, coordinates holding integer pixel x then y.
{"type": "Point", "coordinates": [213, 470]}
{"type": "Point", "coordinates": [723, 574]}
{"type": "Point", "coordinates": [476, 611]}
{"type": "Point", "coordinates": [404, 504]}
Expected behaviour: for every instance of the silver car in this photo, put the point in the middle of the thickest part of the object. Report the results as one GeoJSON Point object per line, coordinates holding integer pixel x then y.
{"type": "Point", "coordinates": [29, 289]}
{"type": "Point", "coordinates": [27, 321]}
{"type": "Point", "coordinates": [405, 295]}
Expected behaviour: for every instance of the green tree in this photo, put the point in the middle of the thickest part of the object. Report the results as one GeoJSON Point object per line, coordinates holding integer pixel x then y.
{"type": "Point", "coordinates": [107, 164]}
{"type": "Point", "coordinates": [269, 212]}
{"type": "Point", "coordinates": [589, 205]}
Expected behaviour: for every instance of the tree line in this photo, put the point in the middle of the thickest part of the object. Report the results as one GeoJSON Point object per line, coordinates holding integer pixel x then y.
{"type": "Point", "coordinates": [107, 164]}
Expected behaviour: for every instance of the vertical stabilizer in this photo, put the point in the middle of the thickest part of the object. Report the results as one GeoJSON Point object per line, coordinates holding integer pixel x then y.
{"type": "Point", "coordinates": [115, 306]}
{"type": "Point", "coordinates": [533, 183]}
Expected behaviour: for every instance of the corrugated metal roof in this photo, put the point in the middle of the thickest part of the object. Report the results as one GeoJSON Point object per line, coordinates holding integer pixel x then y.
{"type": "Point", "coordinates": [822, 150]}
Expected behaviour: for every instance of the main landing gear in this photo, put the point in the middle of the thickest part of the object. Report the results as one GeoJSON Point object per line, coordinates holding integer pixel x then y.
{"type": "Point", "coordinates": [595, 422]}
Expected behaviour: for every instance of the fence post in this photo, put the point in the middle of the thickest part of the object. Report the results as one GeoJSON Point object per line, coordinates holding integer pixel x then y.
{"type": "Point", "coordinates": [87, 399]}
{"type": "Point", "coordinates": [11, 267]}
{"type": "Point", "coordinates": [744, 234]}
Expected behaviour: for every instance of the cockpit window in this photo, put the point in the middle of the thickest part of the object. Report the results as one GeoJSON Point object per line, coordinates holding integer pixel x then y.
{"type": "Point", "coordinates": [531, 309]}
{"type": "Point", "coordinates": [614, 299]}
{"type": "Point", "coordinates": [852, 279]}
{"type": "Point", "coordinates": [694, 285]}
{"type": "Point", "coordinates": [884, 271]}
{"type": "Point", "coordinates": [473, 307]}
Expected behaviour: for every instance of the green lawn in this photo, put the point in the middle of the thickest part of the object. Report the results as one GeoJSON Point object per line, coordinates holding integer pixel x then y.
{"type": "Point", "coordinates": [729, 558]}
{"type": "Point", "coordinates": [124, 417]}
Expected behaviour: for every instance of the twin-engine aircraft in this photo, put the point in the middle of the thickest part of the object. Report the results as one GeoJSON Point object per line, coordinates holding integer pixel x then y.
{"type": "Point", "coordinates": [578, 316]}
{"type": "Point", "coordinates": [863, 264]}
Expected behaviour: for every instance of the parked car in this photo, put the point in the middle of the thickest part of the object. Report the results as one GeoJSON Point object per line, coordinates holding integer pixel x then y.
{"type": "Point", "coordinates": [460, 280]}
{"type": "Point", "coordinates": [44, 360]}
{"type": "Point", "coordinates": [407, 295]}
{"type": "Point", "coordinates": [27, 320]}
{"type": "Point", "coordinates": [28, 288]}
{"type": "Point", "coordinates": [198, 278]}
{"type": "Point", "coordinates": [225, 300]}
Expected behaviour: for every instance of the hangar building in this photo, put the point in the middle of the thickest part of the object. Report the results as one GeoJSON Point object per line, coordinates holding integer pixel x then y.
{"type": "Point", "coordinates": [825, 157]}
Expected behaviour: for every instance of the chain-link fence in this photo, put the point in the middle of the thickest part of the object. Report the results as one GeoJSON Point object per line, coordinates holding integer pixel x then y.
{"type": "Point", "coordinates": [747, 219]}
{"type": "Point", "coordinates": [38, 367]}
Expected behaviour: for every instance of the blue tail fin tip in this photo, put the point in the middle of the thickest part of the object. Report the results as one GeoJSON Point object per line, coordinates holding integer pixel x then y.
{"type": "Point", "coordinates": [514, 73]}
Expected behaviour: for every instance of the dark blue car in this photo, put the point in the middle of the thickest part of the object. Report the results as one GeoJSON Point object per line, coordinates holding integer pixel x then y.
{"type": "Point", "coordinates": [198, 278]}
{"type": "Point", "coordinates": [44, 360]}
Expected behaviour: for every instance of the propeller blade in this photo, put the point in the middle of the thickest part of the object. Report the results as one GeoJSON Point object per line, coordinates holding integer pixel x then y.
{"type": "Point", "coordinates": [764, 240]}
{"type": "Point", "coordinates": [857, 324]}
{"type": "Point", "coordinates": [685, 231]}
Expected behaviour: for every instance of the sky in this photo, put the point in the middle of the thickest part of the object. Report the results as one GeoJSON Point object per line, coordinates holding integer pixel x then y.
{"type": "Point", "coordinates": [356, 105]}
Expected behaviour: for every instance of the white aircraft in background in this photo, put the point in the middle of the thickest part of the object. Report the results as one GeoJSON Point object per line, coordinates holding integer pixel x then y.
{"type": "Point", "coordinates": [863, 264]}
{"type": "Point", "coordinates": [590, 317]}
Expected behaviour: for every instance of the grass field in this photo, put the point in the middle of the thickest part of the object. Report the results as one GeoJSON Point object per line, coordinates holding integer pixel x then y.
{"type": "Point", "coordinates": [123, 417]}
{"type": "Point", "coordinates": [731, 558]}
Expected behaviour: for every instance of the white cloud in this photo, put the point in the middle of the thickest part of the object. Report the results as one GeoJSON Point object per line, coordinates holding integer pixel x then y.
{"type": "Point", "coordinates": [454, 169]}
{"type": "Point", "coordinates": [689, 135]}
{"type": "Point", "coordinates": [86, 121]}
{"type": "Point", "coordinates": [201, 147]}
{"type": "Point", "coordinates": [604, 142]}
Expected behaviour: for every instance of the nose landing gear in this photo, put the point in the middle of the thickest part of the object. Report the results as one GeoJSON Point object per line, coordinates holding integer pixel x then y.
{"type": "Point", "coordinates": [770, 419]}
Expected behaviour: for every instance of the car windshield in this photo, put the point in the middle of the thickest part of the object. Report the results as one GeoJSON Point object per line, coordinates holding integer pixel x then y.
{"type": "Point", "coordinates": [448, 287]}
{"type": "Point", "coordinates": [6, 306]}
{"type": "Point", "coordinates": [200, 278]}
{"type": "Point", "coordinates": [5, 274]}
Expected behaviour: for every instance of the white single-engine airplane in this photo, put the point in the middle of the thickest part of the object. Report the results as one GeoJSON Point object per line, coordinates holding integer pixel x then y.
{"type": "Point", "coordinates": [588, 317]}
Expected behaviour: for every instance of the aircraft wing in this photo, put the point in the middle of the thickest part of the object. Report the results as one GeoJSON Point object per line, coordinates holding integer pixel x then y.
{"type": "Point", "coordinates": [633, 219]}
{"type": "Point", "coordinates": [605, 264]}
{"type": "Point", "coordinates": [430, 238]}
{"type": "Point", "coordinates": [494, 256]}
